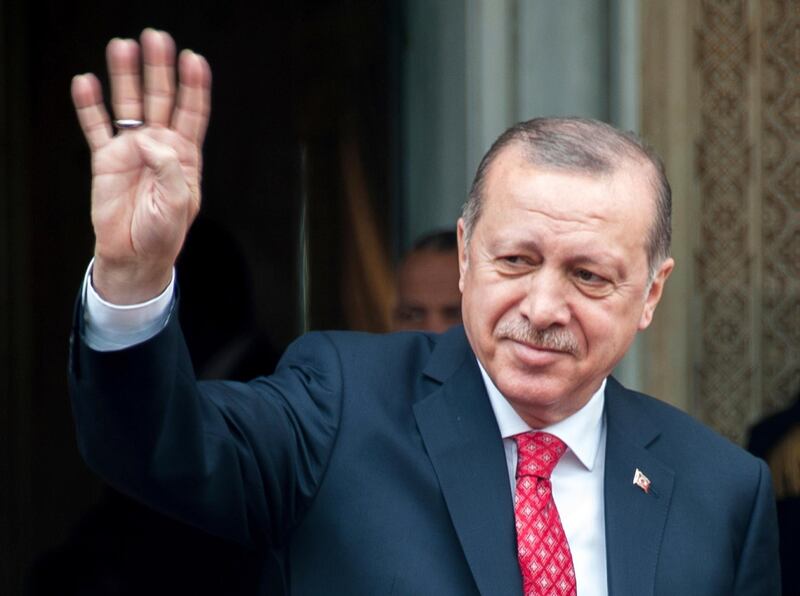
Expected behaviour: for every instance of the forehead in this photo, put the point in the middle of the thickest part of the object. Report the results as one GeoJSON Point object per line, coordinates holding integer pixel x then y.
{"type": "Point", "coordinates": [513, 178]}
{"type": "Point", "coordinates": [429, 270]}
{"type": "Point", "coordinates": [522, 199]}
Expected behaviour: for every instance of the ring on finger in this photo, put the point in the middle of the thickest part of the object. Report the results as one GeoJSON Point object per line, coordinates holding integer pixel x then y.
{"type": "Point", "coordinates": [128, 124]}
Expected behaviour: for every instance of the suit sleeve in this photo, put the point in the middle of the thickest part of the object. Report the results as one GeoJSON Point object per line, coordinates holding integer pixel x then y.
{"type": "Point", "coordinates": [758, 571]}
{"type": "Point", "coordinates": [240, 460]}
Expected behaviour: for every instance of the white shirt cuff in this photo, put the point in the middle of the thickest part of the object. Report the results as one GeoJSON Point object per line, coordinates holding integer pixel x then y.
{"type": "Point", "coordinates": [109, 327]}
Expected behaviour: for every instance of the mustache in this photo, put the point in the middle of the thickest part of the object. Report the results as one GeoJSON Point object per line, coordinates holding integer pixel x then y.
{"type": "Point", "coordinates": [552, 338]}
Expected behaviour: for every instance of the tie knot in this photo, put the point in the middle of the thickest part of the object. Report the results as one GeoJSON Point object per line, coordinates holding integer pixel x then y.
{"type": "Point", "coordinates": [538, 453]}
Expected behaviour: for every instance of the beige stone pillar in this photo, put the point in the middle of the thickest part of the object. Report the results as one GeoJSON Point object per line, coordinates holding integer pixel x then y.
{"type": "Point", "coordinates": [669, 123]}
{"type": "Point", "coordinates": [721, 102]}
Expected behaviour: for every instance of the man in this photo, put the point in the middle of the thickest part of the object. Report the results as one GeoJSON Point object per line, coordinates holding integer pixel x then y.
{"type": "Point", "coordinates": [427, 296]}
{"type": "Point", "coordinates": [495, 458]}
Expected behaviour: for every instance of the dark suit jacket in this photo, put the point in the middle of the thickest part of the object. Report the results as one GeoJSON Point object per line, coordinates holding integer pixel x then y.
{"type": "Point", "coordinates": [375, 466]}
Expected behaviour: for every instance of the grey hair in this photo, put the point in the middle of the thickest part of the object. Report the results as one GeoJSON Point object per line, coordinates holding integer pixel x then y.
{"type": "Point", "coordinates": [586, 146]}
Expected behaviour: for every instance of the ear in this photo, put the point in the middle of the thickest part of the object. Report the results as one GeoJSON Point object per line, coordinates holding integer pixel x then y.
{"type": "Point", "coordinates": [655, 292]}
{"type": "Point", "coordinates": [462, 254]}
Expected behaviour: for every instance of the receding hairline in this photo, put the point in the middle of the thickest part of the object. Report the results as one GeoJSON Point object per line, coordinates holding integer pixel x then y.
{"type": "Point", "coordinates": [614, 165]}
{"type": "Point", "coordinates": [580, 146]}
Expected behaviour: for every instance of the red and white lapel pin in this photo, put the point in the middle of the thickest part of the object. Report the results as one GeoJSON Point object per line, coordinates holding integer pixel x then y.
{"type": "Point", "coordinates": [642, 481]}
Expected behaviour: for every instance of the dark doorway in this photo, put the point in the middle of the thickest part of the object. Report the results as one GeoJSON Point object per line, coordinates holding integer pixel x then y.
{"type": "Point", "coordinates": [304, 114]}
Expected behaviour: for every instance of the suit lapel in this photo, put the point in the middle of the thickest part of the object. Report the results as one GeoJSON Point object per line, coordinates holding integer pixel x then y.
{"type": "Point", "coordinates": [460, 433]}
{"type": "Point", "coordinates": [635, 519]}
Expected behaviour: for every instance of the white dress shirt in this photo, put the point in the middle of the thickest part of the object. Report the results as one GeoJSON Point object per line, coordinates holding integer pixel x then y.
{"type": "Point", "coordinates": [577, 479]}
{"type": "Point", "coordinates": [110, 327]}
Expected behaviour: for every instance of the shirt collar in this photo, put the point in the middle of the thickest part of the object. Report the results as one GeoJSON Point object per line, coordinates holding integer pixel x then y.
{"type": "Point", "coordinates": [581, 431]}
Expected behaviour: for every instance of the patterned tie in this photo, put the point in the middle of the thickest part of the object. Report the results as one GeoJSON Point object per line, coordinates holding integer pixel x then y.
{"type": "Point", "coordinates": [544, 557]}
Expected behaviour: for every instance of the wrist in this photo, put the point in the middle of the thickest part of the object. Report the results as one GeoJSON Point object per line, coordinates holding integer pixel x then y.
{"type": "Point", "coordinates": [124, 283]}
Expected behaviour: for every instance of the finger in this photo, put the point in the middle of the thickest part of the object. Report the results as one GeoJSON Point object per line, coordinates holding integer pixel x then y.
{"type": "Point", "coordinates": [158, 51]}
{"type": "Point", "coordinates": [87, 96]}
{"type": "Point", "coordinates": [194, 97]}
{"type": "Point", "coordinates": [122, 56]}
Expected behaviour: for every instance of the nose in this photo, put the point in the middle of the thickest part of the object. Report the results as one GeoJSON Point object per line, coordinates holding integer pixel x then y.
{"type": "Point", "coordinates": [432, 322]}
{"type": "Point", "coordinates": [546, 300]}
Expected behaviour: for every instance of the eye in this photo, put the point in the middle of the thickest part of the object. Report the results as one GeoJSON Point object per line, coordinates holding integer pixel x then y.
{"type": "Point", "coordinates": [516, 265]}
{"type": "Point", "coordinates": [512, 264]}
{"type": "Point", "coordinates": [409, 314]}
{"type": "Point", "coordinates": [592, 284]}
{"type": "Point", "coordinates": [516, 261]}
{"type": "Point", "coordinates": [452, 314]}
{"type": "Point", "coordinates": [588, 277]}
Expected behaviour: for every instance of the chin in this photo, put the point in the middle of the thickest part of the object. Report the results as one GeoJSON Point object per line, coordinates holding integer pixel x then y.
{"type": "Point", "coordinates": [531, 389]}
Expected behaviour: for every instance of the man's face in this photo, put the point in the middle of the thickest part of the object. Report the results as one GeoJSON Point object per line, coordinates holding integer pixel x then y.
{"type": "Point", "coordinates": [428, 298]}
{"type": "Point", "coordinates": [555, 280]}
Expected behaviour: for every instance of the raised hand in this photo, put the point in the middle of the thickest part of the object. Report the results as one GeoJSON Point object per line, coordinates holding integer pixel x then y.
{"type": "Point", "coordinates": [145, 178]}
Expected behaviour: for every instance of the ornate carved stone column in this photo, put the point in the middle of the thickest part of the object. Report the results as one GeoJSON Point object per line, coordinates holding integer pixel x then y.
{"type": "Point", "coordinates": [737, 203]}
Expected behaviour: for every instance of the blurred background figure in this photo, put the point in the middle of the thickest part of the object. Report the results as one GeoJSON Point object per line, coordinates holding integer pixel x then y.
{"type": "Point", "coordinates": [777, 440]}
{"type": "Point", "coordinates": [427, 296]}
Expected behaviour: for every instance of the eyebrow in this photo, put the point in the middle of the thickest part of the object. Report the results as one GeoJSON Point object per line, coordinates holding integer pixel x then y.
{"type": "Point", "coordinates": [508, 244]}
{"type": "Point", "coordinates": [607, 260]}
{"type": "Point", "coordinates": [602, 259]}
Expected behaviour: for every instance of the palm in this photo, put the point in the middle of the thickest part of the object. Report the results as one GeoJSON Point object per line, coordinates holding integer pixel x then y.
{"type": "Point", "coordinates": [131, 211]}
{"type": "Point", "coordinates": [146, 181]}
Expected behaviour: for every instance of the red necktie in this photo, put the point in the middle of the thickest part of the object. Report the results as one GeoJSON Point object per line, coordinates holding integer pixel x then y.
{"type": "Point", "coordinates": [544, 557]}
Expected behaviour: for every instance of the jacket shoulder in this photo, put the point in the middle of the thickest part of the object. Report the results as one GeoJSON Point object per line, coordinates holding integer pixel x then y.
{"type": "Point", "coordinates": [685, 441]}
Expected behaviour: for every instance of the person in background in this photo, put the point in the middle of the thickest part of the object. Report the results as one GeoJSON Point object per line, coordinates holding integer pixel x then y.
{"type": "Point", "coordinates": [776, 439]}
{"type": "Point", "coordinates": [427, 296]}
